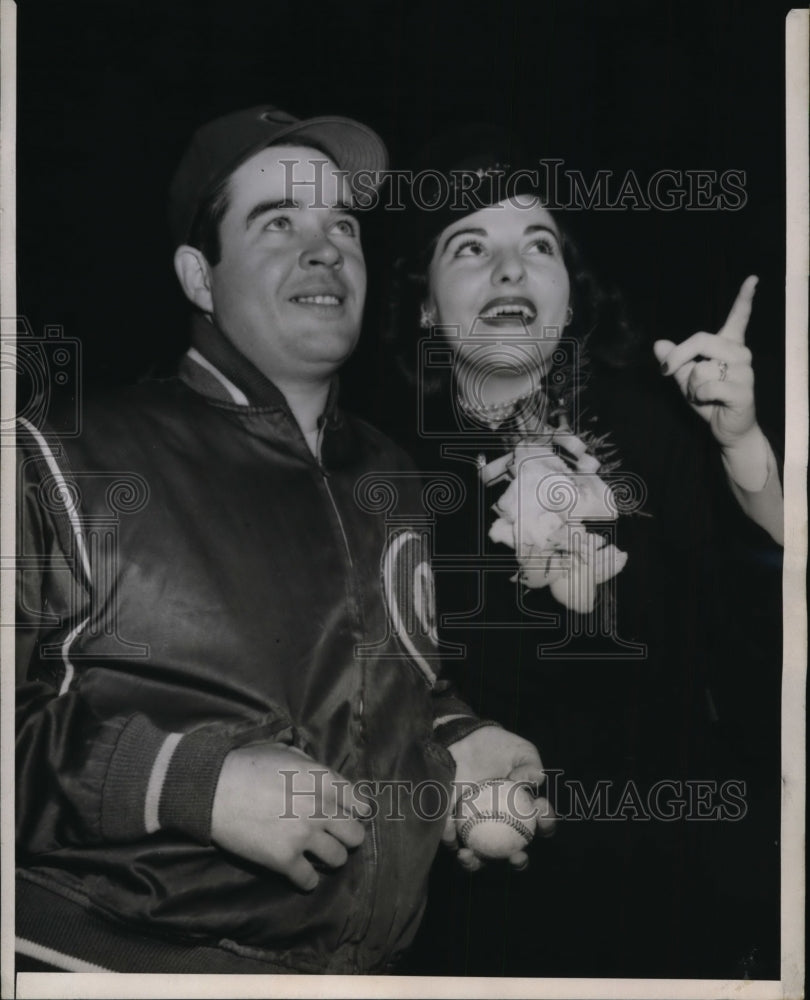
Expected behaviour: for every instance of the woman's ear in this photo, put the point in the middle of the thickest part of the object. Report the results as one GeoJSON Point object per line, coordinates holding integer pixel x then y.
{"type": "Point", "coordinates": [427, 315]}
{"type": "Point", "coordinates": [194, 275]}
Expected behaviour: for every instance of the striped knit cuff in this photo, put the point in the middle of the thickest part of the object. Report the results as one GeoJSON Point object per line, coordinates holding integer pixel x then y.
{"type": "Point", "coordinates": [192, 774]}
{"type": "Point", "coordinates": [157, 780]}
{"type": "Point", "coordinates": [127, 779]}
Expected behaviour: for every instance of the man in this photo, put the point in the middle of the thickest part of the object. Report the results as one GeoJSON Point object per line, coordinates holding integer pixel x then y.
{"type": "Point", "coordinates": [217, 685]}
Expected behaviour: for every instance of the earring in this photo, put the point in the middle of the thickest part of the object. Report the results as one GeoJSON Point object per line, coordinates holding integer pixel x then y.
{"type": "Point", "coordinates": [427, 318]}
{"type": "Point", "coordinates": [569, 315]}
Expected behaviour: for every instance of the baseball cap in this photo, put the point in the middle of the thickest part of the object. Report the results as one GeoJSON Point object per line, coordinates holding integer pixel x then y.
{"type": "Point", "coordinates": [220, 146]}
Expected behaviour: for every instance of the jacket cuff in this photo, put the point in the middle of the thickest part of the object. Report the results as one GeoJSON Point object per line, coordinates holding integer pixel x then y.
{"type": "Point", "coordinates": [187, 796]}
{"type": "Point", "coordinates": [456, 728]}
{"type": "Point", "coordinates": [158, 780]}
{"type": "Point", "coordinates": [446, 701]}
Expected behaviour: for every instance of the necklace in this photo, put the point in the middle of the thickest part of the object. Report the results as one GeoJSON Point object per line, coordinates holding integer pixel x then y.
{"type": "Point", "coordinates": [494, 412]}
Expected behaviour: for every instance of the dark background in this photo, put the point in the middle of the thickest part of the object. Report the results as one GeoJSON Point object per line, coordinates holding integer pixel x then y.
{"type": "Point", "coordinates": [109, 93]}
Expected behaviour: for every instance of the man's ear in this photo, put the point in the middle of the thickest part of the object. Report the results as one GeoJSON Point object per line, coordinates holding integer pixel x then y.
{"type": "Point", "coordinates": [194, 275]}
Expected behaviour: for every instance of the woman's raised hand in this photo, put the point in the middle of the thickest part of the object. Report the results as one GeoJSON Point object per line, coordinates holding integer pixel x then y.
{"type": "Point", "coordinates": [714, 372]}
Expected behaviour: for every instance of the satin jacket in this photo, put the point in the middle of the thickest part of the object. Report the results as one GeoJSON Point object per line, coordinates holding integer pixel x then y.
{"type": "Point", "coordinates": [192, 578]}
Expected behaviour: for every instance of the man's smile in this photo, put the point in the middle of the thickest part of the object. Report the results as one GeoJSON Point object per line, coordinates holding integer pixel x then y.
{"type": "Point", "coordinates": [325, 293]}
{"type": "Point", "coordinates": [317, 300]}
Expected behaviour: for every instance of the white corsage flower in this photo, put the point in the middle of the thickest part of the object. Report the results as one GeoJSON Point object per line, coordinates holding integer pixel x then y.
{"type": "Point", "coordinates": [542, 515]}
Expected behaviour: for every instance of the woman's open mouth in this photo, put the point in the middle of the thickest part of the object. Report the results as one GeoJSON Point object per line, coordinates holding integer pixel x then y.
{"type": "Point", "coordinates": [508, 311]}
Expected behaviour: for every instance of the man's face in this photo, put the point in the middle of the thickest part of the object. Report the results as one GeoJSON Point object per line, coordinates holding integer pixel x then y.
{"type": "Point", "coordinates": [289, 288]}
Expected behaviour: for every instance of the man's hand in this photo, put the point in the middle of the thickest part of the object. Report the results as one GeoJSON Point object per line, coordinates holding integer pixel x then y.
{"type": "Point", "coordinates": [277, 807]}
{"type": "Point", "coordinates": [492, 752]}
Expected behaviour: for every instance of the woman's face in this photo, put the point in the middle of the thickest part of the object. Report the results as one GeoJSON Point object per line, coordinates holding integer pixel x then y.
{"type": "Point", "coordinates": [497, 277]}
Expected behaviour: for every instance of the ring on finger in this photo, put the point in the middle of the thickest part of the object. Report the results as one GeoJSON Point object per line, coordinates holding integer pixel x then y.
{"type": "Point", "coordinates": [723, 370]}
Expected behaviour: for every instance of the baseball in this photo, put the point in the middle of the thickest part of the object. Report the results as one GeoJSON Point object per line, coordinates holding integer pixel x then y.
{"type": "Point", "coordinates": [496, 818]}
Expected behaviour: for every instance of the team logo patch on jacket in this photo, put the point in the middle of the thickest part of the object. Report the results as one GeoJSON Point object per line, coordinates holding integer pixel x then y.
{"type": "Point", "coordinates": [410, 597]}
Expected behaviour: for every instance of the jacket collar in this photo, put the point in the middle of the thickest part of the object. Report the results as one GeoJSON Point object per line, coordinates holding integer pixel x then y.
{"type": "Point", "coordinates": [213, 367]}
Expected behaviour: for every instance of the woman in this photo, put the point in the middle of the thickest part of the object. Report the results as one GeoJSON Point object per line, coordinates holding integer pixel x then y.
{"type": "Point", "coordinates": [609, 640]}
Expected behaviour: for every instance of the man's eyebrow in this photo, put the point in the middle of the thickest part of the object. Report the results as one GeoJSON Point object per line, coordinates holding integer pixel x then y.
{"type": "Point", "coordinates": [268, 206]}
{"type": "Point", "coordinates": [343, 207]}
{"type": "Point", "coordinates": [463, 232]}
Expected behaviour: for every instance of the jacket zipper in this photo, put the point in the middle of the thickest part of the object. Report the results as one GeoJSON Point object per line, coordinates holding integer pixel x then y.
{"type": "Point", "coordinates": [372, 825]}
{"type": "Point", "coordinates": [327, 487]}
